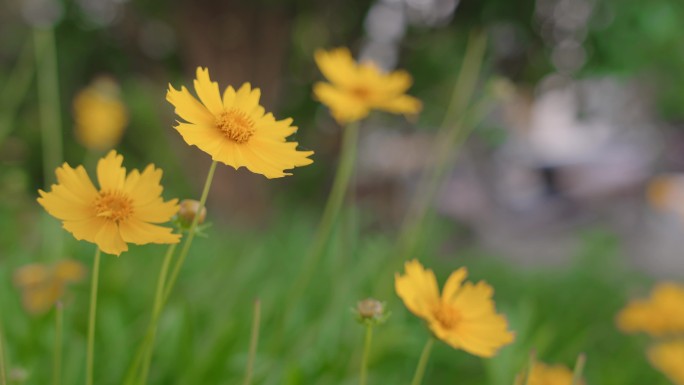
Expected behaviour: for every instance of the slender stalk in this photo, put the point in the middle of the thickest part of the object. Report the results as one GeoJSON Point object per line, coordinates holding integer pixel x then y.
{"type": "Point", "coordinates": [59, 330]}
{"type": "Point", "coordinates": [16, 88]}
{"type": "Point", "coordinates": [191, 235]}
{"type": "Point", "coordinates": [579, 369]}
{"type": "Point", "coordinates": [48, 95]}
{"type": "Point", "coordinates": [452, 133]}
{"type": "Point", "coordinates": [91, 318]}
{"type": "Point", "coordinates": [530, 366]}
{"type": "Point", "coordinates": [3, 371]}
{"type": "Point", "coordinates": [330, 214]}
{"type": "Point", "coordinates": [253, 342]}
{"type": "Point", "coordinates": [156, 311]}
{"type": "Point", "coordinates": [422, 363]}
{"type": "Point", "coordinates": [367, 341]}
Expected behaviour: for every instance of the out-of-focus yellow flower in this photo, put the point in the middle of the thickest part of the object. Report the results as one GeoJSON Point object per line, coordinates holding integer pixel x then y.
{"type": "Point", "coordinates": [100, 115]}
{"type": "Point", "coordinates": [668, 358]}
{"type": "Point", "coordinates": [43, 285]}
{"type": "Point", "coordinates": [357, 88]}
{"type": "Point", "coordinates": [235, 130]}
{"type": "Point", "coordinates": [661, 314]}
{"type": "Point", "coordinates": [124, 208]}
{"type": "Point", "coordinates": [542, 374]}
{"type": "Point", "coordinates": [463, 316]}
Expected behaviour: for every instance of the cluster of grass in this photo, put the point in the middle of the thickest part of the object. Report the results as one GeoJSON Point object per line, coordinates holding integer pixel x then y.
{"type": "Point", "coordinates": [204, 331]}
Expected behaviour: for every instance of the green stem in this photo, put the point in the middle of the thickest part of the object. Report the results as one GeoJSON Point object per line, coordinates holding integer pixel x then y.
{"type": "Point", "coordinates": [330, 213]}
{"type": "Point", "coordinates": [156, 311]}
{"type": "Point", "coordinates": [57, 359]}
{"type": "Point", "coordinates": [579, 369]}
{"type": "Point", "coordinates": [191, 234]}
{"type": "Point", "coordinates": [16, 88]}
{"type": "Point", "coordinates": [48, 96]}
{"type": "Point", "coordinates": [91, 318]}
{"type": "Point", "coordinates": [527, 374]}
{"type": "Point", "coordinates": [452, 134]}
{"type": "Point", "coordinates": [3, 371]}
{"type": "Point", "coordinates": [253, 342]}
{"type": "Point", "coordinates": [367, 341]}
{"type": "Point", "coordinates": [422, 363]}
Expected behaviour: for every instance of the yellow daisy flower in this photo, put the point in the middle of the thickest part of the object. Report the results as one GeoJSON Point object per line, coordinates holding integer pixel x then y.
{"type": "Point", "coordinates": [668, 358]}
{"type": "Point", "coordinates": [234, 129]}
{"type": "Point", "coordinates": [100, 115]}
{"type": "Point", "coordinates": [357, 88]}
{"type": "Point", "coordinates": [463, 316]}
{"type": "Point", "coordinates": [542, 374]}
{"type": "Point", "coordinates": [661, 314]}
{"type": "Point", "coordinates": [121, 211]}
{"type": "Point", "coordinates": [43, 285]}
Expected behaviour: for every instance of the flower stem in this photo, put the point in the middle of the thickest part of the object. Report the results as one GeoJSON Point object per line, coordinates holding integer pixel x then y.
{"type": "Point", "coordinates": [16, 88]}
{"type": "Point", "coordinates": [452, 134]}
{"type": "Point", "coordinates": [191, 235]}
{"type": "Point", "coordinates": [330, 213]}
{"type": "Point", "coordinates": [48, 94]}
{"type": "Point", "coordinates": [422, 363]}
{"type": "Point", "coordinates": [3, 371]}
{"type": "Point", "coordinates": [156, 311]}
{"type": "Point", "coordinates": [91, 319]}
{"type": "Point", "coordinates": [579, 369]}
{"type": "Point", "coordinates": [367, 341]}
{"type": "Point", "coordinates": [57, 359]}
{"type": "Point", "coordinates": [253, 342]}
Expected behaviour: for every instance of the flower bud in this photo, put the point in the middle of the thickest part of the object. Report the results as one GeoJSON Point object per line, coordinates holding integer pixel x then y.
{"type": "Point", "coordinates": [188, 210]}
{"type": "Point", "coordinates": [371, 310]}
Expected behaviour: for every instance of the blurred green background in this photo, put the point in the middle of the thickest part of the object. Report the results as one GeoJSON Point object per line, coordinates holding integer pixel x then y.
{"type": "Point", "coordinates": [546, 200]}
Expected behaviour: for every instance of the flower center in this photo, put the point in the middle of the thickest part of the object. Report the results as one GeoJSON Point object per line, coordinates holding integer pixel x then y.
{"type": "Point", "coordinates": [236, 125]}
{"type": "Point", "coordinates": [361, 92]}
{"type": "Point", "coordinates": [447, 316]}
{"type": "Point", "coordinates": [113, 206]}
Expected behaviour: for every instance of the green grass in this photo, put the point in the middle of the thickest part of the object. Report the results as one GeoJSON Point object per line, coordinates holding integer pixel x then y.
{"type": "Point", "coordinates": [204, 331]}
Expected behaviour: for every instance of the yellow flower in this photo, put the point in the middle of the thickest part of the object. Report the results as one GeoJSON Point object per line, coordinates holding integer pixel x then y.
{"type": "Point", "coordinates": [100, 115]}
{"type": "Point", "coordinates": [542, 374]}
{"type": "Point", "coordinates": [358, 88]}
{"type": "Point", "coordinates": [234, 129]}
{"type": "Point", "coordinates": [122, 210]}
{"type": "Point", "coordinates": [463, 316]}
{"type": "Point", "coordinates": [668, 358]}
{"type": "Point", "coordinates": [662, 313]}
{"type": "Point", "coordinates": [43, 285]}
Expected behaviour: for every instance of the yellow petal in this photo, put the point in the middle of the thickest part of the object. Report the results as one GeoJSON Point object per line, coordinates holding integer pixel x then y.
{"type": "Point", "coordinates": [417, 289]}
{"type": "Point", "coordinates": [76, 181]}
{"type": "Point", "coordinates": [109, 240]}
{"type": "Point", "coordinates": [110, 174]}
{"type": "Point", "coordinates": [278, 130]}
{"type": "Point", "coordinates": [403, 104]}
{"type": "Point", "coordinates": [84, 230]}
{"type": "Point", "coordinates": [344, 106]}
{"type": "Point", "coordinates": [140, 233]}
{"type": "Point", "coordinates": [144, 188]}
{"type": "Point", "coordinates": [61, 204]}
{"type": "Point", "coordinates": [207, 139]}
{"type": "Point", "coordinates": [247, 99]}
{"type": "Point", "coordinates": [337, 65]}
{"type": "Point", "coordinates": [453, 284]}
{"type": "Point", "coordinates": [157, 211]}
{"type": "Point", "coordinates": [189, 108]}
{"type": "Point", "coordinates": [31, 275]}
{"type": "Point", "coordinates": [208, 91]}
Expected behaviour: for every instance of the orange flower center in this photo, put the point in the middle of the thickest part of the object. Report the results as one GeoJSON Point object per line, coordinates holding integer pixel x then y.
{"type": "Point", "coordinates": [447, 316]}
{"type": "Point", "coordinates": [361, 92]}
{"type": "Point", "coordinates": [113, 206]}
{"type": "Point", "coordinates": [236, 125]}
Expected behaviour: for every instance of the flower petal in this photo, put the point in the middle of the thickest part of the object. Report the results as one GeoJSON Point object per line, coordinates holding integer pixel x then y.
{"type": "Point", "coordinates": [208, 91]}
{"type": "Point", "coordinates": [417, 288]}
{"type": "Point", "coordinates": [343, 105]}
{"type": "Point", "coordinates": [189, 108]}
{"type": "Point", "coordinates": [109, 240]}
{"type": "Point", "coordinates": [338, 66]}
{"type": "Point", "coordinates": [207, 139]}
{"type": "Point", "coordinates": [140, 233]}
{"type": "Point", "coordinates": [110, 174]}
{"type": "Point", "coordinates": [157, 211]}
